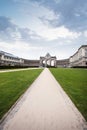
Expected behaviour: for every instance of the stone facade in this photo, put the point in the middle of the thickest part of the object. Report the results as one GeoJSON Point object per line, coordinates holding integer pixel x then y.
{"type": "Point", "coordinates": [7, 59]}
{"type": "Point", "coordinates": [79, 59]}
{"type": "Point", "coordinates": [31, 63]}
{"type": "Point", "coordinates": [63, 63]}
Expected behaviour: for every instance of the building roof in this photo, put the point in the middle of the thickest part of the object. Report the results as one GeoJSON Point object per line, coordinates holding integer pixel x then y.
{"type": "Point", "coordinates": [82, 46]}
{"type": "Point", "coordinates": [8, 54]}
{"type": "Point", "coordinates": [78, 50]}
{"type": "Point", "coordinates": [47, 56]}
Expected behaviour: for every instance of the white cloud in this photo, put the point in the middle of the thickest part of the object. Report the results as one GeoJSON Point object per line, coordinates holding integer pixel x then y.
{"type": "Point", "coordinates": [85, 33]}
{"type": "Point", "coordinates": [77, 14]}
{"type": "Point", "coordinates": [55, 33]}
{"type": "Point", "coordinates": [10, 32]}
{"type": "Point", "coordinates": [14, 34]}
{"type": "Point", "coordinates": [34, 11]}
{"type": "Point", "coordinates": [18, 48]}
{"type": "Point", "coordinates": [30, 37]}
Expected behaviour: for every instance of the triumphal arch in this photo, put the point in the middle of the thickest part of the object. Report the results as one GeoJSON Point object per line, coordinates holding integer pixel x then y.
{"type": "Point", "coordinates": [48, 61]}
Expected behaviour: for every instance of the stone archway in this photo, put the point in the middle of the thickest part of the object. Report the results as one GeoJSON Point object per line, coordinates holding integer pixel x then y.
{"type": "Point", "coordinates": [47, 61]}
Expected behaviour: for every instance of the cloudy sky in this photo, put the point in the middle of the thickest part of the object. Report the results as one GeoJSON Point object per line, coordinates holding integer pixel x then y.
{"type": "Point", "coordinates": [31, 28]}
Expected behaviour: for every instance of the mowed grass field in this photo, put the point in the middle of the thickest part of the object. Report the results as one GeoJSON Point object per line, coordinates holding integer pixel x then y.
{"type": "Point", "coordinates": [13, 85]}
{"type": "Point", "coordinates": [74, 83]}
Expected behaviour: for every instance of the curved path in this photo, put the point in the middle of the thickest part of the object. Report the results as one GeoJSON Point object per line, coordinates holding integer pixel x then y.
{"type": "Point", "coordinates": [45, 107]}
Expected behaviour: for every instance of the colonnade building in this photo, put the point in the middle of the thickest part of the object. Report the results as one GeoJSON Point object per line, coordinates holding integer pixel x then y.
{"type": "Point", "coordinates": [7, 59]}
{"type": "Point", "coordinates": [79, 59]}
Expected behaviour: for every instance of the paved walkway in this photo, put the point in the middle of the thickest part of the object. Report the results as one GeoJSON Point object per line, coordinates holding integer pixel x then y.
{"type": "Point", "coordinates": [12, 70]}
{"type": "Point", "coordinates": [45, 107]}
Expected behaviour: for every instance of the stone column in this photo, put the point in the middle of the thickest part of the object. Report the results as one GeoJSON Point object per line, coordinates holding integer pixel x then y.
{"type": "Point", "coordinates": [45, 63]}
{"type": "Point", "coordinates": [50, 62]}
{"type": "Point", "coordinates": [55, 63]}
{"type": "Point", "coordinates": [41, 62]}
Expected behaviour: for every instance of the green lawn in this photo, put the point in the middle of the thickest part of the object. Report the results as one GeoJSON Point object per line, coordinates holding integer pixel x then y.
{"type": "Point", "coordinates": [74, 83]}
{"type": "Point", "coordinates": [13, 85]}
